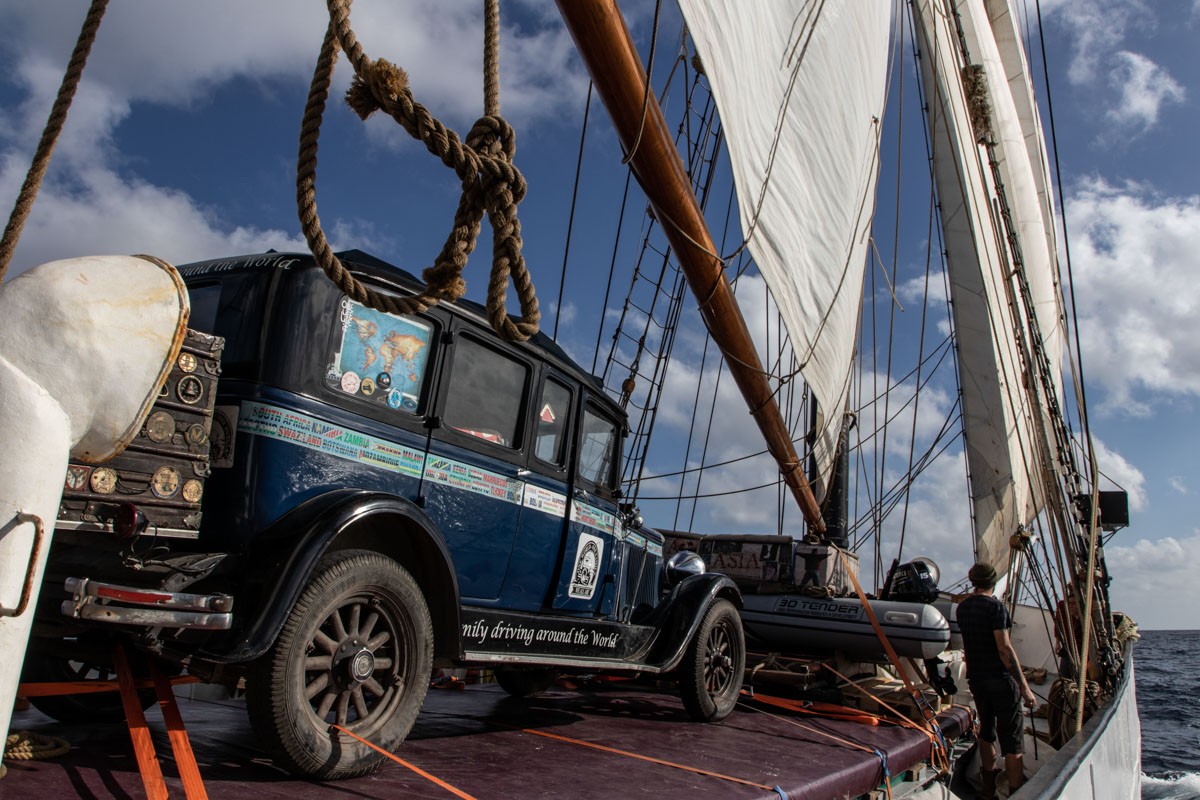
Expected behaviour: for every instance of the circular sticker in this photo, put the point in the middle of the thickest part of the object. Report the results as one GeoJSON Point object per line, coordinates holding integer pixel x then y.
{"type": "Point", "coordinates": [384, 380]}
{"type": "Point", "coordinates": [187, 362]}
{"type": "Point", "coordinates": [165, 482]}
{"type": "Point", "coordinates": [192, 490]}
{"type": "Point", "coordinates": [190, 389]}
{"type": "Point", "coordinates": [395, 399]}
{"type": "Point", "coordinates": [160, 427]}
{"type": "Point", "coordinates": [104, 480]}
{"type": "Point", "coordinates": [350, 382]}
{"type": "Point", "coordinates": [368, 386]}
{"type": "Point", "coordinates": [196, 434]}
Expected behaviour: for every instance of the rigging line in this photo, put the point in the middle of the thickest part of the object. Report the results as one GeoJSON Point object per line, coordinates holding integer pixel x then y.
{"type": "Point", "coordinates": [926, 132]}
{"type": "Point", "coordinates": [1062, 202]}
{"type": "Point", "coordinates": [940, 352]}
{"type": "Point", "coordinates": [935, 448]}
{"type": "Point", "coordinates": [562, 280]}
{"type": "Point", "coordinates": [708, 495]}
{"type": "Point", "coordinates": [883, 269]}
{"type": "Point", "coordinates": [890, 499]}
{"type": "Point", "coordinates": [730, 204]}
{"type": "Point", "coordinates": [54, 125]}
{"type": "Point", "coordinates": [920, 349]}
{"type": "Point", "coordinates": [649, 78]}
{"type": "Point", "coordinates": [612, 265]}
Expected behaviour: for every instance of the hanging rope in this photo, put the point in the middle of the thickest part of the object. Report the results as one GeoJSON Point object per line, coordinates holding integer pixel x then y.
{"type": "Point", "coordinates": [54, 125]}
{"type": "Point", "coordinates": [490, 182]}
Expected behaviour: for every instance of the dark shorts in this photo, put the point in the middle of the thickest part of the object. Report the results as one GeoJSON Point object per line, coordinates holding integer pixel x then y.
{"type": "Point", "coordinates": [998, 701]}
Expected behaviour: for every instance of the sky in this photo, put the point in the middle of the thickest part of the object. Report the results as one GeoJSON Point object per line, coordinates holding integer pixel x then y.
{"type": "Point", "coordinates": [182, 141]}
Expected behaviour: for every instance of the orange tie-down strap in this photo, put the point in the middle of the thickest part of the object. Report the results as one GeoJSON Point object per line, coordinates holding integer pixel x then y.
{"type": "Point", "coordinates": [604, 748]}
{"type": "Point", "coordinates": [91, 687]}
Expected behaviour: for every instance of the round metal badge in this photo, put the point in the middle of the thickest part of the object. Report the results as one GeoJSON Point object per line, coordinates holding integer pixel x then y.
{"type": "Point", "coordinates": [190, 389]}
{"type": "Point", "coordinates": [165, 482]}
{"type": "Point", "coordinates": [160, 427]}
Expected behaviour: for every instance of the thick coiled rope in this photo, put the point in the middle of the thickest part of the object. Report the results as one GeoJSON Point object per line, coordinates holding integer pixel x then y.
{"type": "Point", "coordinates": [491, 184]}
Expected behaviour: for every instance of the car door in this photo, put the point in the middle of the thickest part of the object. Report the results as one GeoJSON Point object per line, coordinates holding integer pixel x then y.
{"type": "Point", "coordinates": [534, 567]}
{"type": "Point", "coordinates": [474, 474]}
{"type": "Point", "coordinates": [591, 560]}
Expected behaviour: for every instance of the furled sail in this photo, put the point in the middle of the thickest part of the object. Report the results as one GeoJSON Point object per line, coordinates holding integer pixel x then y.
{"type": "Point", "coordinates": [800, 85]}
{"type": "Point", "coordinates": [992, 212]}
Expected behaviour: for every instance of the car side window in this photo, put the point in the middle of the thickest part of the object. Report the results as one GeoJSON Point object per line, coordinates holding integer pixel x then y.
{"type": "Point", "coordinates": [380, 357]}
{"type": "Point", "coordinates": [554, 411]}
{"type": "Point", "coordinates": [598, 449]}
{"type": "Point", "coordinates": [485, 394]}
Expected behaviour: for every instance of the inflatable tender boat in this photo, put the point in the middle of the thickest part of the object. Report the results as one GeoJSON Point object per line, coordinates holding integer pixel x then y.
{"type": "Point", "coordinates": [799, 623]}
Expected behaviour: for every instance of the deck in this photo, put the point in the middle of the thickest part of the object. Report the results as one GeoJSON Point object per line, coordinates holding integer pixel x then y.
{"type": "Point", "coordinates": [488, 745]}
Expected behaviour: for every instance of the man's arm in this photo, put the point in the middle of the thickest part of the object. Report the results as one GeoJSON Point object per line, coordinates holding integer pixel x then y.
{"type": "Point", "coordinates": [1008, 655]}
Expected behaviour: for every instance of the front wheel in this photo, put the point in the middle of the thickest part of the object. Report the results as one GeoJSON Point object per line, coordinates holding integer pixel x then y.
{"type": "Point", "coordinates": [711, 674]}
{"type": "Point", "coordinates": [356, 652]}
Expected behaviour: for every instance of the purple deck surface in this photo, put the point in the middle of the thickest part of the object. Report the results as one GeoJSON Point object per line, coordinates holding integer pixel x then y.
{"type": "Point", "coordinates": [477, 740]}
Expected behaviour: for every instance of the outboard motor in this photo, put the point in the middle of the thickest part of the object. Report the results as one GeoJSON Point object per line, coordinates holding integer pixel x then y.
{"type": "Point", "coordinates": [914, 582]}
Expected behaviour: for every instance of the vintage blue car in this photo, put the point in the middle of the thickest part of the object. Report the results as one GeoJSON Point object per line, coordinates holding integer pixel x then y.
{"type": "Point", "coordinates": [388, 495]}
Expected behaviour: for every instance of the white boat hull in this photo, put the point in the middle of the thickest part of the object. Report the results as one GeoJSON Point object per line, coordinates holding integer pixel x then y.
{"type": "Point", "coordinates": [798, 623]}
{"type": "Point", "coordinates": [1104, 762]}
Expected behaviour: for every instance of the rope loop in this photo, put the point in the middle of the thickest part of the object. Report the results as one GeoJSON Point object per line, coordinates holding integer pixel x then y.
{"type": "Point", "coordinates": [491, 184]}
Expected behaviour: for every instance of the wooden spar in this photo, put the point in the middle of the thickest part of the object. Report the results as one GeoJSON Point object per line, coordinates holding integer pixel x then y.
{"type": "Point", "coordinates": [608, 51]}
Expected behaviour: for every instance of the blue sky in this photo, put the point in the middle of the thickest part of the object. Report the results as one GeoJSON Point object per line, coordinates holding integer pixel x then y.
{"type": "Point", "coordinates": [182, 143]}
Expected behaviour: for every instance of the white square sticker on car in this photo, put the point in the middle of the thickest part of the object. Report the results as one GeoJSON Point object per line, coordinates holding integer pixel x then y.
{"type": "Point", "coordinates": [589, 554]}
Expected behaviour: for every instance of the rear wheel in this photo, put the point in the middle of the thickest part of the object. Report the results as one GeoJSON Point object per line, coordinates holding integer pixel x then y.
{"type": "Point", "coordinates": [356, 652]}
{"type": "Point", "coordinates": [711, 673]}
{"type": "Point", "coordinates": [525, 682]}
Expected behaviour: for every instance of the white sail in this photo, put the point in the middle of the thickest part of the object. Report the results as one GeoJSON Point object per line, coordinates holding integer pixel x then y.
{"type": "Point", "coordinates": [800, 86]}
{"type": "Point", "coordinates": [1000, 424]}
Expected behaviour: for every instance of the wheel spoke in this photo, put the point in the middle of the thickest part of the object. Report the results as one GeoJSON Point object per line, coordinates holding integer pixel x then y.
{"type": "Point", "coordinates": [339, 627]}
{"type": "Point", "coordinates": [326, 704]}
{"type": "Point", "coordinates": [375, 686]}
{"type": "Point", "coordinates": [360, 704]}
{"type": "Point", "coordinates": [327, 644]}
{"type": "Point", "coordinates": [368, 625]}
{"type": "Point", "coordinates": [314, 663]}
{"type": "Point", "coordinates": [318, 685]}
{"type": "Point", "coordinates": [378, 641]}
{"type": "Point", "coordinates": [343, 708]}
{"type": "Point", "coordinates": [383, 663]}
{"type": "Point", "coordinates": [355, 616]}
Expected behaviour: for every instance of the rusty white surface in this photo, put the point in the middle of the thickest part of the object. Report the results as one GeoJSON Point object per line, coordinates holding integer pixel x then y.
{"type": "Point", "coordinates": [84, 345]}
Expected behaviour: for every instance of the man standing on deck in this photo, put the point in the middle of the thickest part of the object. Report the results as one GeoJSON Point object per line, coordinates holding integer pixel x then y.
{"type": "Point", "coordinates": [996, 680]}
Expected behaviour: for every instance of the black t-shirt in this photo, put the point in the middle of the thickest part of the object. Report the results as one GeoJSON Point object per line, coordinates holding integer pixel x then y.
{"type": "Point", "coordinates": [979, 617]}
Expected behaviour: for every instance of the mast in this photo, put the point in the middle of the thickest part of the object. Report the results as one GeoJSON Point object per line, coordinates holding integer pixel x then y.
{"type": "Point", "coordinates": [608, 51]}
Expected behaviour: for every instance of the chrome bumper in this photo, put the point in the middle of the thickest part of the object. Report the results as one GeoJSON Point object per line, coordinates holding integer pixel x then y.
{"type": "Point", "coordinates": [130, 605]}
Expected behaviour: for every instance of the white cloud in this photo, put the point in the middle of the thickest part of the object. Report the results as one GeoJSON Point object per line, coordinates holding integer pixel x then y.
{"type": "Point", "coordinates": [1146, 572]}
{"type": "Point", "coordinates": [1177, 483]}
{"type": "Point", "coordinates": [1097, 27]}
{"type": "Point", "coordinates": [1143, 88]}
{"type": "Point", "coordinates": [1129, 87]}
{"type": "Point", "coordinates": [1121, 473]}
{"type": "Point", "coordinates": [1134, 259]}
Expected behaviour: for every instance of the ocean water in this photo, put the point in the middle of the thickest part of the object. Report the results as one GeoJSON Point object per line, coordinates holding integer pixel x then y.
{"type": "Point", "coordinates": [1168, 694]}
